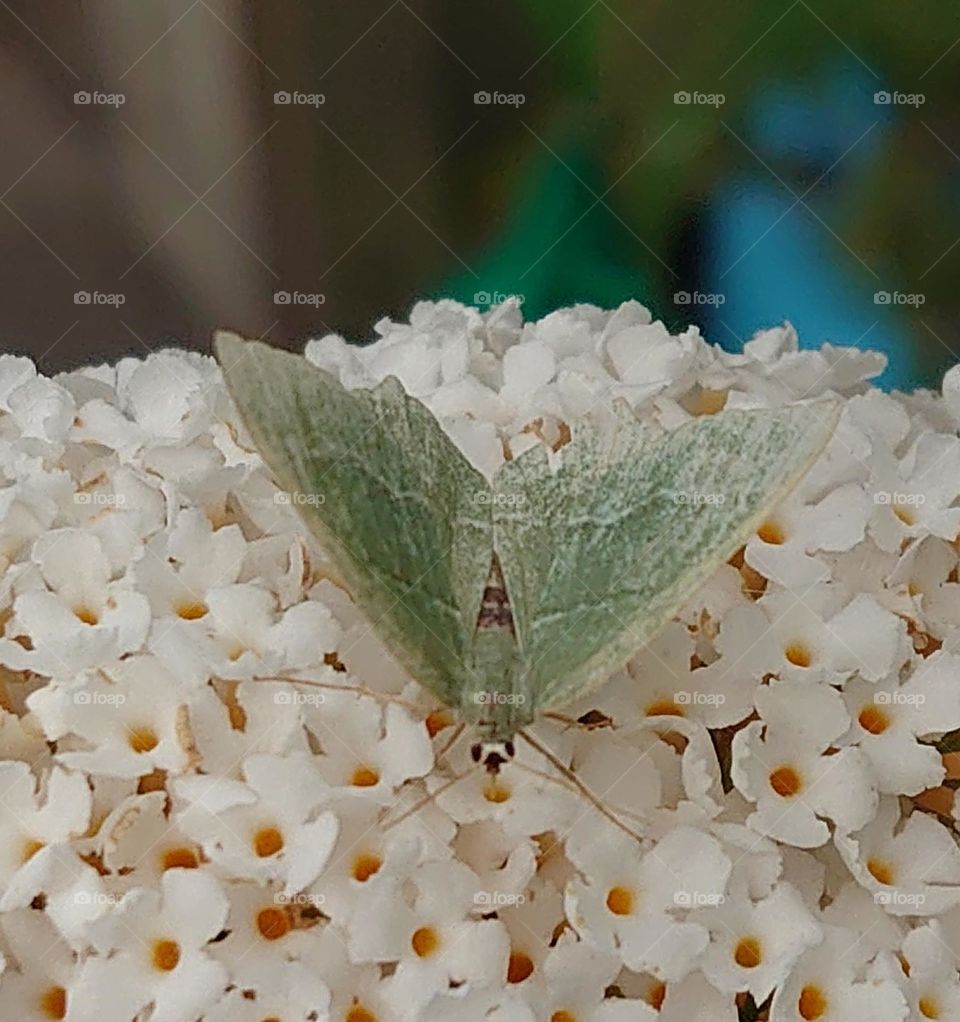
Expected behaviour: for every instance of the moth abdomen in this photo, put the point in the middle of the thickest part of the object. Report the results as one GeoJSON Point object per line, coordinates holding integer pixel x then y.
{"type": "Point", "coordinates": [495, 611]}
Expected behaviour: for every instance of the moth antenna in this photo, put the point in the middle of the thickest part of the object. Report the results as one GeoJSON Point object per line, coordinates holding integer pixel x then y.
{"type": "Point", "coordinates": [450, 742]}
{"type": "Point", "coordinates": [332, 686]}
{"type": "Point", "coordinates": [553, 779]}
{"type": "Point", "coordinates": [569, 774]}
{"type": "Point", "coordinates": [427, 799]}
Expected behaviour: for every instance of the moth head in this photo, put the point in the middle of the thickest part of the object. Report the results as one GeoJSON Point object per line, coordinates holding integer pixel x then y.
{"type": "Point", "coordinates": [492, 755]}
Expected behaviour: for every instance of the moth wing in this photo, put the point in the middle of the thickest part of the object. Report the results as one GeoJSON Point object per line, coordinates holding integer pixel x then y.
{"type": "Point", "coordinates": [403, 516]}
{"type": "Point", "coordinates": [600, 553]}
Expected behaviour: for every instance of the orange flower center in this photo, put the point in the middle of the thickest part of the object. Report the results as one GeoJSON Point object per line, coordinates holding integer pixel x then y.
{"type": "Point", "coordinates": [267, 841]}
{"type": "Point", "coordinates": [358, 1013]}
{"type": "Point", "coordinates": [496, 793]}
{"type": "Point", "coordinates": [180, 858]}
{"type": "Point", "coordinates": [664, 708]}
{"type": "Point", "coordinates": [786, 782]}
{"type": "Point", "coordinates": [520, 967]}
{"type": "Point", "coordinates": [929, 1007]}
{"type": "Point", "coordinates": [812, 1004]}
{"type": "Point", "coordinates": [143, 739]}
{"type": "Point", "coordinates": [365, 777]}
{"type": "Point", "coordinates": [272, 923]}
{"type": "Point", "coordinates": [881, 871]}
{"type": "Point", "coordinates": [747, 954]}
{"type": "Point", "coordinates": [365, 865]}
{"type": "Point", "coordinates": [53, 1003]}
{"type": "Point", "coordinates": [620, 901]}
{"type": "Point", "coordinates": [798, 655]}
{"type": "Point", "coordinates": [873, 720]}
{"type": "Point", "coordinates": [425, 941]}
{"type": "Point", "coordinates": [191, 610]}
{"type": "Point", "coordinates": [770, 532]}
{"type": "Point", "coordinates": [165, 955]}
{"type": "Point", "coordinates": [87, 616]}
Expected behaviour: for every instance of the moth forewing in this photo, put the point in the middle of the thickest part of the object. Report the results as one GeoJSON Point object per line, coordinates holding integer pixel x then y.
{"type": "Point", "coordinates": [601, 551]}
{"type": "Point", "coordinates": [401, 513]}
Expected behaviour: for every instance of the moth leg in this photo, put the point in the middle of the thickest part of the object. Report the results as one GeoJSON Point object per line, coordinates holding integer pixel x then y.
{"type": "Point", "coordinates": [332, 686]}
{"type": "Point", "coordinates": [569, 774]}
{"type": "Point", "coordinates": [427, 799]}
{"type": "Point", "coordinates": [592, 720]}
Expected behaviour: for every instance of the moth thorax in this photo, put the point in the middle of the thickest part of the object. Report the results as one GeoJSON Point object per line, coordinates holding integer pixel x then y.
{"type": "Point", "coordinates": [492, 755]}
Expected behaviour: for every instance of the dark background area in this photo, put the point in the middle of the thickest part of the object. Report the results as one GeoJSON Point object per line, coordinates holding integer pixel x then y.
{"type": "Point", "coordinates": [810, 174]}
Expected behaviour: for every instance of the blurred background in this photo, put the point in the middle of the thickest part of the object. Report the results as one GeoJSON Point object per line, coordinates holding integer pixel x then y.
{"type": "Point", "coordinates": [292, 168]}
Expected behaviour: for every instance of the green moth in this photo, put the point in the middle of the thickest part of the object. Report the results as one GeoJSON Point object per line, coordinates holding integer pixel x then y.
{"type": "Point", "coordinates": [513, 596]}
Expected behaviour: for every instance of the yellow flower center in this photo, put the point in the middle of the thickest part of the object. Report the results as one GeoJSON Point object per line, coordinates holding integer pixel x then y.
{"type": "Point", "coordinates": [929, 1007]}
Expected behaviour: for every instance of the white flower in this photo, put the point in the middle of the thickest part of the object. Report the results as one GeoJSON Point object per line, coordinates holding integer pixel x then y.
{"type": "Point", "coordinates": [156, 945]}
{"type": "Point", "coordinates": [34, 816]}
{"type": "Point", "coordinates": [36, 987]}
{"type": "Point", "coordinates": [431, 936]}
{"type": "Point", "coordinates": [266, 829]}
{"type": "Point", "coordinates": [784, 764]}
{"type": "Point", "coordinates": [298, 996]}
{"type": "Point", "coordinates": [80, 618]}
{"type": "Point", "coordinates": [834, 979]}
{"type": "Point", "coordinates": [928, 975]}
{"type": "Point", "coordinates": [911, 866]}
{"type": "Point", "coordinates": [754, 946]}
{"type": "Point", "coordinates": [627, 903]}
{"type": "Point", "coordinates": [890, 716]}
{"type": "Point", "coordinates": [133, 719]}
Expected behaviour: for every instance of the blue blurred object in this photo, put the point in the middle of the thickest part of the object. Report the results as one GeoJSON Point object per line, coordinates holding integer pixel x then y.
{"type": "Point", "coordinates": [774, 259]}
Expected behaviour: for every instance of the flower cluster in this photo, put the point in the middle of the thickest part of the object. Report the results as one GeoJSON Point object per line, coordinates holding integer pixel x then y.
{"type": "Point", "coordinates": [221, 798]}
